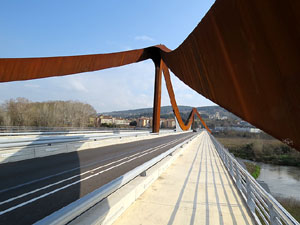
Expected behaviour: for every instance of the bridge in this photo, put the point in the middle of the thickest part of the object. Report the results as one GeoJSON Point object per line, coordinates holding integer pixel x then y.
{"type": "Point", "coordinates": [242, 56]}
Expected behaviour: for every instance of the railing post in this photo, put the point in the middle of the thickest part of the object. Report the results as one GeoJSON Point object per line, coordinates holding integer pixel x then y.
{"type": "Point", "coordinates": [250, 200]}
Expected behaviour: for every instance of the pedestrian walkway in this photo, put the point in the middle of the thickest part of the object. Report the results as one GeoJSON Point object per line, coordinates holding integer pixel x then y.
{"type": "Point", "coordinates": [195, 189]}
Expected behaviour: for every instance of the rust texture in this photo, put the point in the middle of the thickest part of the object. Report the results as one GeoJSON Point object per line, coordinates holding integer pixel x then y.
{"type": "Point", "coordinates": [244, 55]}
{"type": "Point", "coordinates": [157, 97]}
{"type": "Point", "coordinates": [183, 126]}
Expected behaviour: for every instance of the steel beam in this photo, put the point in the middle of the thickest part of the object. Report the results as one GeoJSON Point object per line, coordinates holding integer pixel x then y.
{"type": "Point", "coordinates": [157, 97]}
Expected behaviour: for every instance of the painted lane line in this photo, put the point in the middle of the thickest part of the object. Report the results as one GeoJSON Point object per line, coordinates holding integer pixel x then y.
{"type": "Point", "coordinates": [70, 178]}
{"type": "Point", "coordinates": [71, 184]}
{"type": "Point", "coordinates": [66, 171]}
{"type": "Point", "coordinates": [89, 171]}
{"type": "Point", "coordinates": [61, 173]}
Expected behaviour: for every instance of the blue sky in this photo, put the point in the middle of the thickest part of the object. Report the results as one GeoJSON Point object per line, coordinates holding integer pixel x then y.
{"type": "Point", "coordinates": [35, 28]}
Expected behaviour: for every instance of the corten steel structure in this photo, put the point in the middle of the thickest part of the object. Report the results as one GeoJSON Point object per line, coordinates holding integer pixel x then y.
{"type": "Point", "coordinates": [244, 55]}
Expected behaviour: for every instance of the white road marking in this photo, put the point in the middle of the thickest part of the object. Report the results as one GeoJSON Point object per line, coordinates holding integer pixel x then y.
{"type": "Point", "coordinates": [63, 172]}
{"type": "Point", "coordinates": [148, 151]}
{"type": "Point", "coordinates": [78, 175]}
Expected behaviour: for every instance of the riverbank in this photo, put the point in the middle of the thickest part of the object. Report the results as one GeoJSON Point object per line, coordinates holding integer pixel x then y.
{"type": "Point", "coordinates": [253, 169]}
{"type": "Point", "coordinates": [279, 165]}
{"type": "Point", "coordinates": [291, 204]}
{"type": "Point", "coordinates": [256, 149]}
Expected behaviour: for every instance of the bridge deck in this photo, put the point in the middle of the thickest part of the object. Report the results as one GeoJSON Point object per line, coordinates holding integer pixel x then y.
{"type": "Point", "coordinates": [196, 189]}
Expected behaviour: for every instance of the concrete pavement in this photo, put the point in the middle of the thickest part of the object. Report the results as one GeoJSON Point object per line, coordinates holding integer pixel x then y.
{"type": "Point", "coordinates": [196, 189]}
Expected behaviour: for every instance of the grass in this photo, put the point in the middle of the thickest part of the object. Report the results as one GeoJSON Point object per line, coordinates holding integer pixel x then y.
{"type": "Point", "coordinates": [291, 205]}
{"type": "Point", "coordinates": [261, 150]}
{"type": "Point", "coordinates": [253, 169]}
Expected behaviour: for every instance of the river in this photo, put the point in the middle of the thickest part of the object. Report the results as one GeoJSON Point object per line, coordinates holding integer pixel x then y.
{"type": "Point", "coordinates": [283, 181]}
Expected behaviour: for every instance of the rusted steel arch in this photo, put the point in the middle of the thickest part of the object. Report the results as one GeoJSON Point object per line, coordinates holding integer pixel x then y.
{"type": "Point", "coordinates": [14, 69]}
{"type": "Point", "coordinates": [202, 121]}
{"type": "Point", "coordinates": [189, 121]}
{"type": "Point", "coordinates": [244, 55]}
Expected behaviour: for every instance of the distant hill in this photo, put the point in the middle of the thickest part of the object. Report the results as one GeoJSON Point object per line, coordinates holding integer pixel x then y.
{"type": "Point", "coordinates": [167, 111]}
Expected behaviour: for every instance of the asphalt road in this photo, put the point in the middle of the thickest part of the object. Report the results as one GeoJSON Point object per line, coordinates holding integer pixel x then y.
{"type": "Point", "coordinates": [32, 189]}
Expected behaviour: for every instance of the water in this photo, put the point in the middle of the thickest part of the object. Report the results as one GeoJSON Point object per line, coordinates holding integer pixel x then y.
{"type": "Point", "coordinates": [283, 181]}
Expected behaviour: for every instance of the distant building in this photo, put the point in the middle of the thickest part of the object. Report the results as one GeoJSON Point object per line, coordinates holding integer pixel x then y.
{"type": "Point", "coordinates": [218, 116]}
{"type": "Point", "coordinates": [109, 120]}
{"type": "Point", "coordinates": [121, 121]}
{"type": "Point", "coordinates": [167, 123]}
{"type": "Point", "coordinates": [144, 122]}
{"type": "Point", "coordinates": [105, 119]}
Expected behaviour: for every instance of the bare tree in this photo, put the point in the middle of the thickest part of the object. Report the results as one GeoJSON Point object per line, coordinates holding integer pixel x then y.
{"type": "Point", "coordinates": [22, 112]}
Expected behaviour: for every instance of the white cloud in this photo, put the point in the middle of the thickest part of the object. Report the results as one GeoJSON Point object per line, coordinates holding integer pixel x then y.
{"type": "Point", "coordinates": [121, 88]}
{"type": "Point", "coordinates": [143, 38]}
{"type": "Point", "coordinates": [77, 84]}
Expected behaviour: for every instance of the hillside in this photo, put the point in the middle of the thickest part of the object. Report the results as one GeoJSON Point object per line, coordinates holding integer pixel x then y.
{"type": "Point", "coordinates": [167, 111]}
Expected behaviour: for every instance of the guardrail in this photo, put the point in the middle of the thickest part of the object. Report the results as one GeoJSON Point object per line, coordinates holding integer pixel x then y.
{"type": "Point", "coordinates": [73, 210]}
{"type": "Point", "coordinates": [263, 206]}
{"type": "Point", "coordinates": [50, 129]}
{"type": "Point", "coordinates": [33, 133]}
{"type": "Point", "coordinates": [10, 143]}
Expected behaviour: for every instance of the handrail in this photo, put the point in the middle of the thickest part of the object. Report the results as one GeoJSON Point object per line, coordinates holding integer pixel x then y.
{"type": "Point", "coordinates": [71, 211]}
{"type": "Point", "coordinates": [263, 208]}
{"type": "Point", "coordinates": [62, 132]}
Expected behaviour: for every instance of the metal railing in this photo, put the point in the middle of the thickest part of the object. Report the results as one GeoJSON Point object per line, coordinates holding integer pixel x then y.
{"type": "Point", "coordinates": [71, 211]}
{"type": "Point", "coordinates": [48, 140]}
{"type": "Point", "coordinates": [262, 205]}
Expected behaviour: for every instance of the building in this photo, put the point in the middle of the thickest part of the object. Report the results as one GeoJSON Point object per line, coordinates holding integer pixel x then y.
{"type": "Point", "coordinates": [121, 121]}
{"type": "Point", "coordinates": [144, 122]}
{"type": "Point", "coordinates": [106, 119]}
{"type": "Point", "coordinates": [167, 123]}
{"type": "Point", "coordinates": [109, 120]}
{"type": "Point", "coordinates": [218, 116]}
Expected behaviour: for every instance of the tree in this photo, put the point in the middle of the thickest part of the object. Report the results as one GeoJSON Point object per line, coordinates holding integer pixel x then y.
{"type": "Point", "coordinates": [133, 123]}
{"type": "Point", "coordinates": [22, 112]}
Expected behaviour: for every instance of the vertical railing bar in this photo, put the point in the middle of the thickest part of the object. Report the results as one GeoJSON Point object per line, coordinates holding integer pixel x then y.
{"type": "Point", "coordinates": [262, 215]}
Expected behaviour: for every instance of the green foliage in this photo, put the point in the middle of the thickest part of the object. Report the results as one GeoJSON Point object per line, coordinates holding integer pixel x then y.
{"type": "Point", "coordinates": [133, 123]}
{"type": "Point", "coordinates": [244, 151]}
{"type": "Point", "coordinates": [253, 169]}
{"type": "Point", "coordinates": [262, 150]}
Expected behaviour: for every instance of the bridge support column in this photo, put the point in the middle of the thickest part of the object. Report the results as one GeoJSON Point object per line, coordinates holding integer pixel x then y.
{"type": "Point", "coordinates": [193, 123]}
{"type": "Point", "coordinates": [157, 97]}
